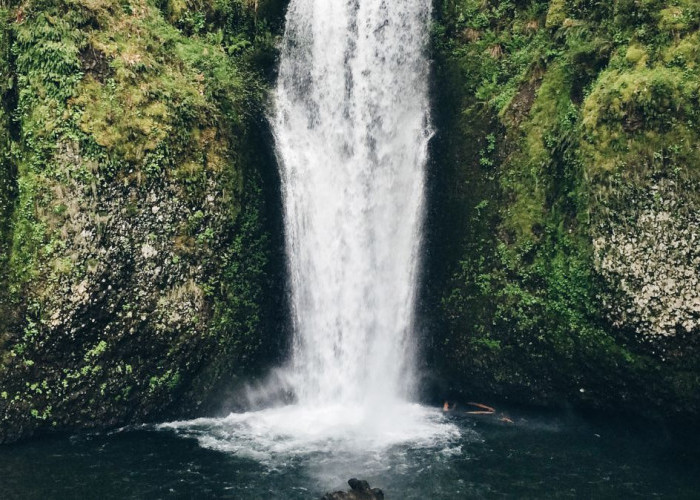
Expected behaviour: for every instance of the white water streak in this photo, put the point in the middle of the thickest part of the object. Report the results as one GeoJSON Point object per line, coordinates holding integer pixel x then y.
{"type": "Point", "coordinates": [352, 129]}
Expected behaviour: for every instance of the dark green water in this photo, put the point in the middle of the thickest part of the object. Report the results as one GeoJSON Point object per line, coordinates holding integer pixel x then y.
{"type": "Point", "coordinates": [537, 456]}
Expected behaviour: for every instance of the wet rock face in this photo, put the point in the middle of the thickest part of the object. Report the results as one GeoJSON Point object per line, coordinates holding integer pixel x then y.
{"type": "Point", "coordinates": [118, 314]}
{"type": "Point", "coordinates": [359, 490]}
{"type": "Point", "coordinates": [649, 255]}
{"type": "Point", "coordinates": [133, 248]}
{"type": "Point", "coordinates": [578, 264]}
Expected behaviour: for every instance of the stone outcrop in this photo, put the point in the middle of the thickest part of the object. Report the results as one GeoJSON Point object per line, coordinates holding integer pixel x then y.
{"type": "Point", "coordinates": [648, 252]}
{"type": "Point", "coordinates": [137, 242]}
{"type": "Point", "coordinates": [564, 235]}
{"type": "Point", "coordinates": [359, 490]}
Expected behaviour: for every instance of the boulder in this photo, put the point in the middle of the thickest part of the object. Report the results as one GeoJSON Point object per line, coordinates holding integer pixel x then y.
{"type": "Point", "coordinates": [359, 490]}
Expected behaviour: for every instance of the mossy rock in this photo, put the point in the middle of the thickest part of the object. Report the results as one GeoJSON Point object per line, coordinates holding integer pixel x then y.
{"type": "Point", "coordinates": [139, 256]}
{"type": "Point", "coordinates": [596, 121]}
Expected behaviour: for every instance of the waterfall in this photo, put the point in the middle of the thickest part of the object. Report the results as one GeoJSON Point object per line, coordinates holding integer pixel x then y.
{"type": "Point", "coordinates": [352, 126]}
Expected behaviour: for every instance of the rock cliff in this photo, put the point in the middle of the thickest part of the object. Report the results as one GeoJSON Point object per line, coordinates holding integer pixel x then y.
{"type": "Point", "coordinates": [564, 227]}
{"type": "Point", "coordinates": [140, 241]}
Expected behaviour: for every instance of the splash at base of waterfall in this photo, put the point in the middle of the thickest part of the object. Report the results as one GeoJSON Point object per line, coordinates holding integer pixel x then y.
{"type": "Point", "coordinates": [345, 438]}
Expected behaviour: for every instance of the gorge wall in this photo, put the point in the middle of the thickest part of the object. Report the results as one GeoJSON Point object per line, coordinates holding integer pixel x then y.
{"type": "Point", "coordinates": [140, 251]}
{"type": "Point", "coordinates": [565, 215]}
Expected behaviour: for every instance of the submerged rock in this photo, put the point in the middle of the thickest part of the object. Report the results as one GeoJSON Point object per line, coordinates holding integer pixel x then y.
{"type": "Point", "coordinates": [359, 490]}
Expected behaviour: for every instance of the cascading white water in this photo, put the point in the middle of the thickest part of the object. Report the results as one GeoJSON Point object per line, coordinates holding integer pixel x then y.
{"type": "Point", "coordinates": [352, 130]}
{"type": "Point", "coordinates": [352, 127]}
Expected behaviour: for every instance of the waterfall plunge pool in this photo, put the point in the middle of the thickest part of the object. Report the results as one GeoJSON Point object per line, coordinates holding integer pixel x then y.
{"type": "Point", "coordinates": [539, 455]}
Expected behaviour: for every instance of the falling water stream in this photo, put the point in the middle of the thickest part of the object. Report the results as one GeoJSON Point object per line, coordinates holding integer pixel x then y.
{"type": "Point", "coordinates": [352, 127]}
{"type": "Point", "coordinates": [352, 130]}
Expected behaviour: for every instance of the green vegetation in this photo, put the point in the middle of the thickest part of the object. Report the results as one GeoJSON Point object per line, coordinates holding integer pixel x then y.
{"type": "Point", "coordinates": [7, 169]}
{"type": "Point", "coordinates": [128, 185]}
{"type": "Point", "coordinates": [567, 110]}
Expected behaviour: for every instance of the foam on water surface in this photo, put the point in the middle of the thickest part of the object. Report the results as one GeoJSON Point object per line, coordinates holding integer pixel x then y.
{"type": "Point", "coordinates": [330, 442]}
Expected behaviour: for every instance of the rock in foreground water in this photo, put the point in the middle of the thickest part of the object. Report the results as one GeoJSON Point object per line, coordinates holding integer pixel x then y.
{"type": "Point", "coordinates": [359, 490]}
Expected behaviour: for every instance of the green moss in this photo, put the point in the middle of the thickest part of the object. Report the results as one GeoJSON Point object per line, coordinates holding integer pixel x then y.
{"type": "Point", "coordinates": [679, 17]}
{"type": "Point", "coordinates": [556, 15]}
{"type": "Point", "coordinates": [633, 117]}
{"type": "Point", "coordinates": [636, 55]}
{"type": "Point", "coordinates": [132, 104]}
